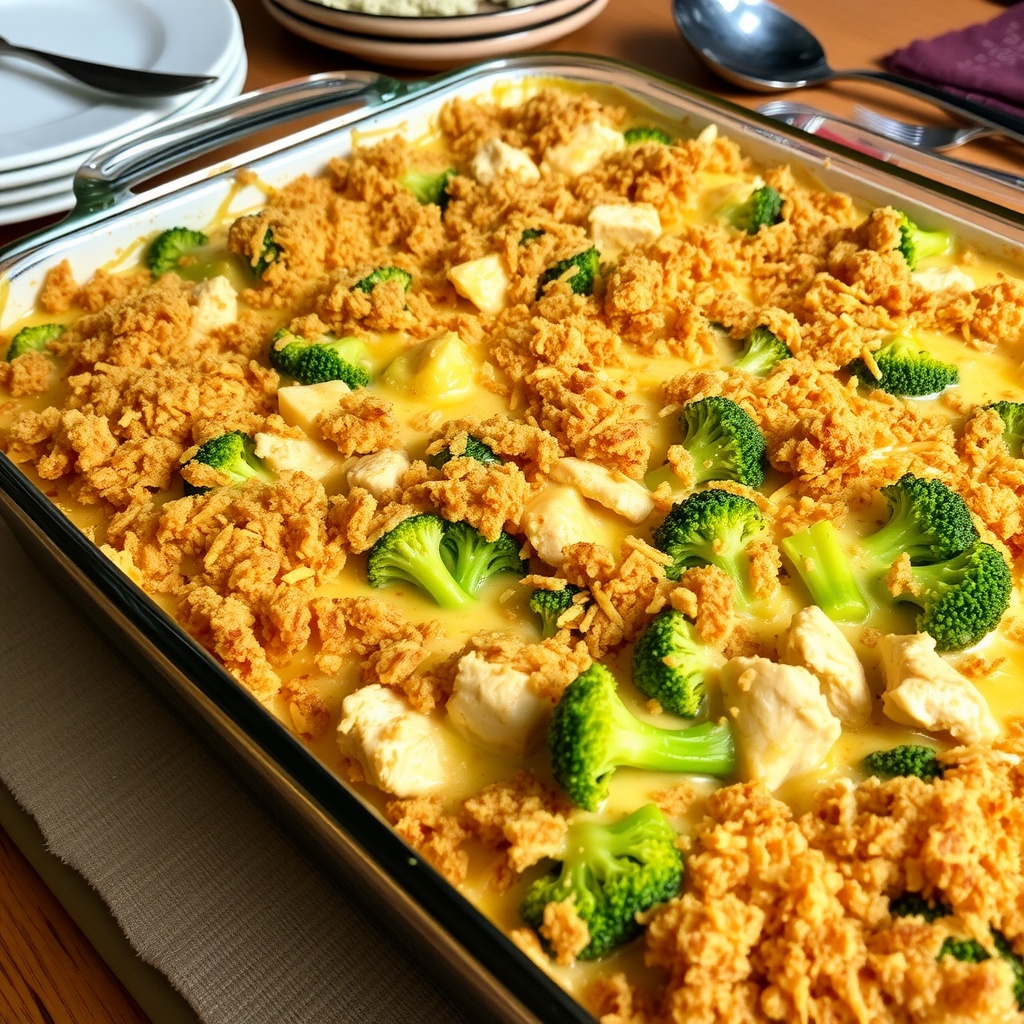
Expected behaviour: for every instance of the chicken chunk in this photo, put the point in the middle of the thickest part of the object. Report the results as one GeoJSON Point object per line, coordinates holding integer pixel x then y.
{"type": "Point", "coordinates": [378, 473]}
{"type": "Point", "coordinates": [496, 158]}
{"type": "Point", "coordinates": [585, 149]}
{"type": "Point", "coordinates": [617, 226]}
{"type": "Point", "coordinates": [396, 746]}
{"type": "Point", "coordinates": [607, 487]}
{"type": "Point", "coordinates": [922, 689]}
{"type": "Point", "coordinates": [942, 279]}
{"type": "Point", "coordinates": [493, 705]}
{"type": "Point", "coordinates": [782, 723]}
{"type": "Point", "coordinates": [216, 305]}
{"type": "Point", "coordinates": [299, 454]}
{"type": "Point", "coordinates": [483, 281]}
{"type": "Point", "coordinates": [300, 404]}
{"type": "Point", "coordinates": [556, 517]}
{"type": "Point", "coordinates": [437, 371]}
{"type": "Point", "coordinates": [817, 644]}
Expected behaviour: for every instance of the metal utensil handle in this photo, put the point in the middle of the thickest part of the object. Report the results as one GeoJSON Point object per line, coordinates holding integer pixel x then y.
{"type": "Point", "coordinates": [864, 140]}
{"type": "Point", "coordinates": [998, 120]}
{"type": "Point", "coordinates": [111, 171]}
{"type": "Point", "coordinates": [108, 78]}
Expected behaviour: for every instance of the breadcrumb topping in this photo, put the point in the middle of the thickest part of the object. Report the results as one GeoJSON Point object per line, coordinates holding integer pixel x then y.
{"type": "Point", "coordinates": [521, 816]}
{"type": "Point", "coordinates": [787, 918]}
{"type": "Point", "coordinates": [785, 911]}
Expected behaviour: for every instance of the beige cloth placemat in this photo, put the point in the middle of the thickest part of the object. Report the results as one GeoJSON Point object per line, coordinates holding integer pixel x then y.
{"type": "Point", "coordinates": [204, 884]}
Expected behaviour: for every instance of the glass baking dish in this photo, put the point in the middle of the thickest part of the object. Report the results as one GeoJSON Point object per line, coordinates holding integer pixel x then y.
{"type": "Point", "coordinates": [489, 971]}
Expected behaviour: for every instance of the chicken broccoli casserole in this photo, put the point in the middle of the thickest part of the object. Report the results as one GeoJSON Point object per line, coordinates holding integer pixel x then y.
{"type": "Point", "coordinates": [637, 528]}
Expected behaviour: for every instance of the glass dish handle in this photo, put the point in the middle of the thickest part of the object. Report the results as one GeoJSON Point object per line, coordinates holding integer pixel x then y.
{"type": "Point", "coordinates": [108, 175]}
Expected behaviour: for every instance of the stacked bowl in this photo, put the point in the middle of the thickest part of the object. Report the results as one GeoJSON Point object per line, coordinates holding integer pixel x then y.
{"type": "Point", "coordinates": [420, 39]}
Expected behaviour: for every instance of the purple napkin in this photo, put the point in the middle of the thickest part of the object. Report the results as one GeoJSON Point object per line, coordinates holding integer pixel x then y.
{"type": "Point", "coordinates": [983, 62]}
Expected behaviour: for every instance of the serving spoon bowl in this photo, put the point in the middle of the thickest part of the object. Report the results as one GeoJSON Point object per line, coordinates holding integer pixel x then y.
{"type": "Point", "coordinates": [754, 44]}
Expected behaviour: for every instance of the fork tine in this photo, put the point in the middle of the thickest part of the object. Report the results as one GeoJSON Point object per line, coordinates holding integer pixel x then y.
{"type": "Point", "coordinates": [897, 130]}
{"type": "Point", "coordinates": [919, 136]}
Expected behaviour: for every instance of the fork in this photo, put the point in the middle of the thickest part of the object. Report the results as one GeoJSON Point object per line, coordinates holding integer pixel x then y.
{"type": "Point", "coordinates": [126, 81]}
{"type": "Point", "coordinates": [856, 136]}
{"type": "Point", "coordinates": [934, 138]}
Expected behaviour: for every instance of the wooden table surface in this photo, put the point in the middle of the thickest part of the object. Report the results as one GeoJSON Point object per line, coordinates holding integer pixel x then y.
{"type": "Point", "coordinates": [49, 972]}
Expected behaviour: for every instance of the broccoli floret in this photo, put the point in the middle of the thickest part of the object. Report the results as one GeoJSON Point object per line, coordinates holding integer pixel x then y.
{"type": "Point", "coordinates": [905, 370]}
{"type": "Point", "coordinates": [723, 441]}
{"type": "Point", "coordinates": [411, 552]}
{"type": "Point", "coordinates": [712, 527]}
{"type": "Point", "coordinates": [927, 520]}
{"type": "Point", "coordinates": [170, 248]}
{"type": "Point", "coordinates": [531, 235]}
{"type": "Point", "coordinates": [256, 261]}
{"type": "Point", "coordinates": [1005, 950]}
{"type": "Point", "coordinates": [916, 245]}
{"type": "Point", "coordinates": [1012, 415]}
{"type": "Point", "coordinates": [475, 449]}
{"type": "Point", "coordinates": [471, 559]}
{"type": "Point", "coordinates": [819, 560]}
{"type": "Point", "coordinates": [33, 339]}
{"type": "Point", "coordinates": [961, 585]}
{"type": "Point", "coordinates": [584, 268]}
{"type": "Point", "coordinates": [968, 951]}
{"type": "Point", "coordinates": [671, 664]}
{"type": "Point", "coordinates": [382, 274]}
{"type": "Point", "coordinates": [633, 136]}
{"type": "Point", "coordinates": [592, 733]}
{"type": "Point", "coordinates": [429, 186]}
{"type": "Point", "coordinates": [270, 252]}
{"type": "Point", "coordinates": [762, 351]}
{"type": "Point", "coordinates": [233, 454]}
{"type": "Point", "coordinates": [906, 759]}
{"type": "Point", "coordinates": [611, 872]}
{"type": "Point", "coordinates": [762, 208]}
{"type": "Point", "coordinates": [551, 605]}
{"type": "Point", "coordinates": [326, 358]}
{"type": "Point", "coordinates": [913, 904]}
{"type": "Point", "coordinates": [962, 598]}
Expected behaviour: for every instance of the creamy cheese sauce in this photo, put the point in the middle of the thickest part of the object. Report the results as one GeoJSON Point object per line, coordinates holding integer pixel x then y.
{"type": "Point", "coordinates": [419, 408]}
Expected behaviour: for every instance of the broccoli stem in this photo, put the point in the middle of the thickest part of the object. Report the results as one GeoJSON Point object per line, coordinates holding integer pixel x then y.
{"type": "Point", "coordinates": [822, 565]}
{"type": "Point", "coordinates": [448, 594]}
{"type": "Point", "coordinates": [705, 749]}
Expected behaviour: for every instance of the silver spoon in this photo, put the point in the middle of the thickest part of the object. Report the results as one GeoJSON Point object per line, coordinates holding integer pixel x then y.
{"type": "Point", "coordinates": [754, 44]}
{"type": "Point", "coordinates": [125, 81]}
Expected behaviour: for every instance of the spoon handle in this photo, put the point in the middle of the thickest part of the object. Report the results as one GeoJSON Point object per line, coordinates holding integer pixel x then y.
{"type": "Point", "coordinates": [999, 121]}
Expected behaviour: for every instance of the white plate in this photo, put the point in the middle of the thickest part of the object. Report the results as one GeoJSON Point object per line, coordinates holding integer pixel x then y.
{"type": "Point", "coordinates": [48, 116]}
{"type": "Point", "coordinates": [38, 190]}
{"type": "Point", "coordinates": [491, 19]}
{"type": "Point", "coordinates": [436, 54]}
{"type": "Point", "coordinates": [23, 177]}
{"type": "Point", "coordinates": [227, 87]}
{"type": "Point", "coordinates": [20, 179]}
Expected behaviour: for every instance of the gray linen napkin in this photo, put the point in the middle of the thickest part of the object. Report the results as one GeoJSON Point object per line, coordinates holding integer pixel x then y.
{"type": "Point", "coordinates": [205, 886]}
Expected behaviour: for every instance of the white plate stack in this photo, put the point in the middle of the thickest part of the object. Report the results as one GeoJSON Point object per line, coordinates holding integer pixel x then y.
{"type": "Point", "coordinates": [434, 43]}
{"type": "Point", "coordinates": [52, 123]}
